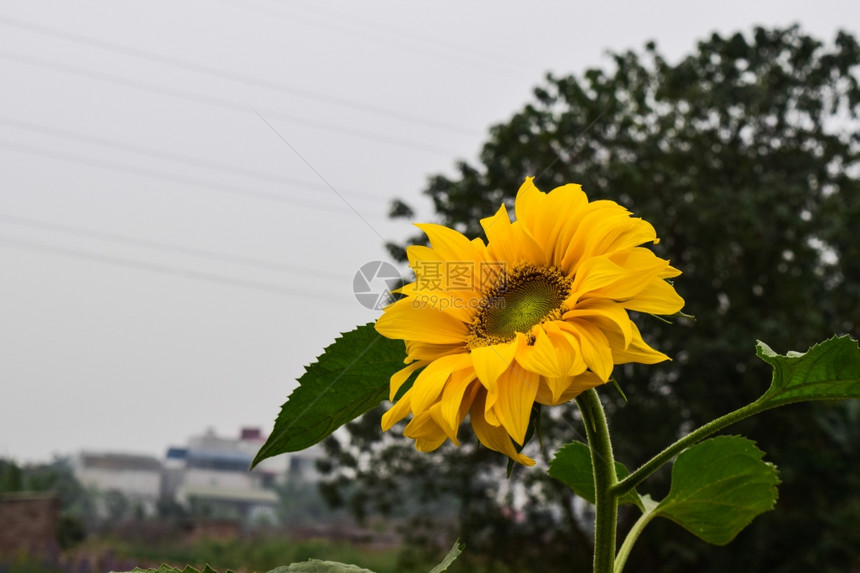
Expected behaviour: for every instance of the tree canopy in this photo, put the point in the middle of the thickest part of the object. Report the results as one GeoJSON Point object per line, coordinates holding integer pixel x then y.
{"type": "Point", "coordinates": [744, 156]}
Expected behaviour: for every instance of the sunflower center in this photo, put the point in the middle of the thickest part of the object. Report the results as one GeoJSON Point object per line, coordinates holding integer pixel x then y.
{"type": "Point", "coordinates": [519, 300]}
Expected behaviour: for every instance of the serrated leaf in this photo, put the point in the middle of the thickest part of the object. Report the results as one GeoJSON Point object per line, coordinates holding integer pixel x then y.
{"type": "Point", "coordinates": [165, 568]}
{"type": "Point", "coordinates": [830, 370]}
{"type": "Point", "coordinates": [572, 466]}
{"type": "Point", "coordinates": [452, 555]}
{"type": "Point", "coordinates": [347, 380]}
{"type": "Point", "coordinates": [718, 487]}
{"type": "Point", "coordinates": [317, 566]}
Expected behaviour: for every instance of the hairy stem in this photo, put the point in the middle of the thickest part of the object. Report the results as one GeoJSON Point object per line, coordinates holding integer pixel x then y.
{"type": "Point", "coordinates": [632, 536]}
{"type": "Point", "coordinates": [605, 479]}
{"type": "Point", "coordinates": [690, 439]}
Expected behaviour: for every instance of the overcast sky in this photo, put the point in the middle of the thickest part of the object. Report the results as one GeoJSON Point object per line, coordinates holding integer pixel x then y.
{"type": "Point", "coordinates": [187, 188]}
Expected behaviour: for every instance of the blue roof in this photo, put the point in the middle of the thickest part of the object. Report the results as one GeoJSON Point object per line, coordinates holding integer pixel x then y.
{"type": "Point", "coordinates": [177, 453]}
{"type": "Point", "coordinates": [215, 456]}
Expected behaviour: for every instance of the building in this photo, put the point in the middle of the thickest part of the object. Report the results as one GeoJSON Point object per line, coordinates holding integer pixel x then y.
{"type": "Point", "coordinates": [135, 478]}
{"type": "Point", "coordinates": [29, 523]}
{"type": "Point", "coordinates": [210, 476]}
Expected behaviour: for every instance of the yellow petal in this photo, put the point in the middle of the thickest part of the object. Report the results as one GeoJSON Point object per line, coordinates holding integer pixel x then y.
{"type": "Point", "coordinates": [595, 273]}
{"type": "Point", "coordinates": [509, 242]}
{"type": "Point", "coordinates": [425, 351]}
{"type": "Point", "coordinates": [581, 383]}
{"type": "Point", "coordinates": [451, 411]}
{"type": "Point", "coordinates": [429, 384]}
{"type": "Point", "coordinates": [401, 376]}
{"type": "Point", "coordinates": [529, 205]}
{"type": "Point", "coordinates": [637, 351]}
{"type": "Point", "coordinates": [669, 272]}
{"type": "Point", "coordinates": [597, 231]}
{"type": "Point", "coordinates": [559, 391]}
{"type": "Point", "coordinates": [516, 395]}
{"type": "Point", "coordinates": [425, 431]}
{"type": "Point", "coordinates": [611, 310]}
{"type": "Point", "coordinates": [490, 361]}
{"type": "Point", "coordinates": [494, 437]}
{"type": "Point", "coordinates": [570, 200]}
{"type": "Point", "coordinates": [460, 305]}
{"type": "Point", "coordinates": [397, 412]}
{"type": "Point", "coordinates": [551, 390]}
{"type": "Point", "coordinates": [422, 254]}
{"type": "Point", "coordinates": [422, 324]}
{"type": "Point", "coordinates": [659, 297]}
{"type": "Point", "coordinates": [451, 286]}
{"type": "Point", "coordinates": [572, 240]}
{"type": "Point", "coordinates": [606, 278]}
{"type": "Point", "coordinates": [554, 353]}
{"type": "Point", "coordinates": [449, 244]}
{"type": "Point", "coordinates": [636, 232]}
{"type": "Point", "coordinates": [594, 345]}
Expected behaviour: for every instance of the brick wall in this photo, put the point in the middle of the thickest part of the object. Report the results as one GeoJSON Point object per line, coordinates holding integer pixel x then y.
{"type": "Point", "coordinates": [28, 522]}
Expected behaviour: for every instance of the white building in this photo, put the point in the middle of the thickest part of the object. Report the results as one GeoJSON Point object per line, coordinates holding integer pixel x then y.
{"type": "Point", "coordinates": [209, 476]}
{"type": "Point", "coordinates": [212, 475]}
{"type": "Point", "coordinates": [137, 477]}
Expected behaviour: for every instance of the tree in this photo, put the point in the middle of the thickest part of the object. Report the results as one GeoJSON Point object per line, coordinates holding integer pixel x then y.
{"type": "Point", "coordinates": [744, 155]}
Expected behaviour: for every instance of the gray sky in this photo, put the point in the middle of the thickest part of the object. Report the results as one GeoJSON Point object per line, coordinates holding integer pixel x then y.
{"type": "Point", "coordinates": [167, 262]}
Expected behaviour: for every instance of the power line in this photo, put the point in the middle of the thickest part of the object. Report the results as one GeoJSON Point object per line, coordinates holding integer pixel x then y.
{"type": "Point", "coordinates": [192, 181]}
{"type": "Point", "coordinates": [458, 59]}
{"type": "Point", "coordinates": [233, 76]}
{"type": "Point", "coordinates": [323, 179]}
{"type": "Point", "coordinates": [217, 102]}
{"type": "Point", "coordinates": [141, 150]}
{"type": "Point", "coordinates": [168, 247]}
{"type": "Point", "coordinates": [410, 35]}
{"type": "Point", "coordinates": [14, 243]}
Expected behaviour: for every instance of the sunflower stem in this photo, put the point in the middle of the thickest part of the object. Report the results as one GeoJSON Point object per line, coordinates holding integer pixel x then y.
{"type": "Point", "coordinates": [652, 465]}
{"type": "Point", "coordinates": [605, 478]}
{"type": "Point", "coordinates": [633, 535]}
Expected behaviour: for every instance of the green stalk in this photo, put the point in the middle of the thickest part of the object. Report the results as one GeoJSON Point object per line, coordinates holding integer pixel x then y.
{"type": "Point", "coordinates": [652, 465]}
{"type": "Point", "coordinates": [605, 479]}
{"type": "Point", "coordinates": [633, 535]}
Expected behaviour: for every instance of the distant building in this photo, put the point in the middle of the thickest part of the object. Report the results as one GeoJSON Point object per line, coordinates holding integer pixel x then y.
{"type": "Point", "coordinates": [136, 477]}
{"type": "Point", "coordinates": [210, 476]}
{"type": "Point", "coordinates": [29, 523]}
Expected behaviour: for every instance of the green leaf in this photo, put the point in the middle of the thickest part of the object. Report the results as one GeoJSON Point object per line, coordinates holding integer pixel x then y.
{"type": "Point", "coordinates": [718, 487]}
{"type": "Point", "coordinates": [317, 566]}
{"type": "Point", "coordinates": [572, 466]}
{"type": "Point", "coordinates": [347, 380]}
{"type": "Point", "coordinates": [830, 370]}
{"type": "Point", "coordinates": [455, 552]}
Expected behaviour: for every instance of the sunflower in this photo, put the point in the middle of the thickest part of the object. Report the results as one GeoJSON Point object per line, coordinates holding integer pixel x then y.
{"type": "Point", "coordinates": [537, 314]}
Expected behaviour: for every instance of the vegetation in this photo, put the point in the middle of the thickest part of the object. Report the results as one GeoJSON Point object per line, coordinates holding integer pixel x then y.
{"type": "Point", "coordinates": [744, 155]}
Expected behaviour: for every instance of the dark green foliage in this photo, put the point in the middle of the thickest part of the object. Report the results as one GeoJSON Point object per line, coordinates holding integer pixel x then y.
{"type": "Point", "coordinates": [718, 487]}
{"type": "Point", "coordinates": [827, 371]}
{"type": "Point", "coordinates": [168, 569]}
{"type": "Point", "coordinates": [573, 467]}
{"type": "Point", "coordinates": [744, 155]}
{"type": "Point", "coordinates": [347, 380]}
